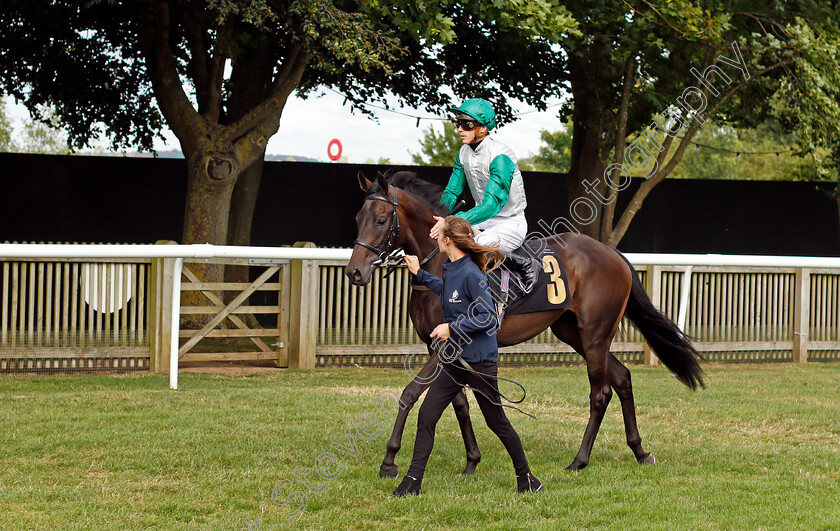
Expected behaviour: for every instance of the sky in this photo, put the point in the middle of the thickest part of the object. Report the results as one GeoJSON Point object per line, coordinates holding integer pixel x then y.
{"type": "Point", "coordinates": [308, 126]}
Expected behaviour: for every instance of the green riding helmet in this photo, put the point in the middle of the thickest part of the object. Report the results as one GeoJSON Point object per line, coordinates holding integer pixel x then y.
{"type": "Point", "coordinates": [480, 110]}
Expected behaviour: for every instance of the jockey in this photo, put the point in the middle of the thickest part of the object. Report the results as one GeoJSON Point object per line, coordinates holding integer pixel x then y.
{"type": "Point", "coordinates": [490, 170]}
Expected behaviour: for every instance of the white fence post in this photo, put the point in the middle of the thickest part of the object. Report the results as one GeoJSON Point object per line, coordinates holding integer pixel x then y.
{"type": "Point", "coordinates": [684, 295]}
{"type": "Point", "coordinates": [801, 320]}
{"type": "Point", "coordinates": [654, 291]}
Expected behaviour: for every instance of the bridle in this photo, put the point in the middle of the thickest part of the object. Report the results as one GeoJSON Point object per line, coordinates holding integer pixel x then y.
{"type": "Point", "coordinates": [389, 255]}
{"type": "Point", "coordinates": [389, 252]}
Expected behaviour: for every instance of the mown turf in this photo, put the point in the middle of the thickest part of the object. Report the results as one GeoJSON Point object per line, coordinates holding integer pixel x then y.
{"type": "Point", "coordinates": [758, 449]}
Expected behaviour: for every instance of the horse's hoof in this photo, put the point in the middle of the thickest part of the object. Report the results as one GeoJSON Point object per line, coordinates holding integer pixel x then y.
{"type": "Point", "coordinates": [389, 471]}
{"type": "Point", "coordinates": [647, 459]}
{"type": "Point", "coordinates": [576, 467]}
{"type": "Point", "coordinates": [469, 470]}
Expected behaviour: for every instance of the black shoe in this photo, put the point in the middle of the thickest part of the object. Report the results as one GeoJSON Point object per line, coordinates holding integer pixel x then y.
{"type": "Point", "coordinates": [528, 483]}
{"type": "Point", "coordinates": [528, 269]}
{"type": "Point", "coordinates": [409, 487]}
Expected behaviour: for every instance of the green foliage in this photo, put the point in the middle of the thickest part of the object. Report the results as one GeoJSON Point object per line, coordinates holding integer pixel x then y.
{"type": "Point", "coordinates": [808, 101]}
{"type": "Point", "coordinates": [6, 143]}
{"type": "Point", "coordinates": [554, 155]}
{"type": "Point", "coordinates": [438, 22]}
{"type": "Point", "coordinates": [34, 137]}
{"type": "Point", "coordinates": [83, 61]}
{"type": "Point", "coordinates": [496, 50]}
{"type": "Point", "coordinates": [88, 59]}
{"type": "Point", "coordinates": [438, 149]}
{"type": "Point", "coordinates": [761, 153]}
{"type": "Point", "coordinates": [44, 138]}
{"type": "Point", "coordinates": [790, 49]}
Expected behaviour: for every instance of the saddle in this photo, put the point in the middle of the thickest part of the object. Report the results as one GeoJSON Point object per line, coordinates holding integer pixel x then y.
{"type": "Point", "coordinates": [531, 279]}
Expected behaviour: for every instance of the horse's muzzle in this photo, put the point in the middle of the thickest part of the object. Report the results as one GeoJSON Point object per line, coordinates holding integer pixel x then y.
{"type": "Point", "coordinates": [357, 278]}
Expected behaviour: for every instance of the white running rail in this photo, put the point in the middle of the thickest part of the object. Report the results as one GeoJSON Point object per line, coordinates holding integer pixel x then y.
{"type": "Point", "coordinates": [180, 252]}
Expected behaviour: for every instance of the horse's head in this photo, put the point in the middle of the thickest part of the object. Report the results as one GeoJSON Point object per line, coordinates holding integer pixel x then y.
{"type": "Point", "coordinates": [378, 229]}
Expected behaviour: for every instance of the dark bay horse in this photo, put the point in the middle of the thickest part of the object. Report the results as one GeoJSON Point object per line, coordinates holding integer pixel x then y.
{"type": "Point", "coordinates": [397, 212]}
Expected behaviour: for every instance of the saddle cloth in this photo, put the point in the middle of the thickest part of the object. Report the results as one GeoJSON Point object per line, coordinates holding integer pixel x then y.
{"type": "Point", "coordinates": [551, 291]}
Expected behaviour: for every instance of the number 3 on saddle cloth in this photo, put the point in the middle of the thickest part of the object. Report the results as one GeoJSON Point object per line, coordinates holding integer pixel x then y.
{"type": "Point", "coordinates": [550, 292]}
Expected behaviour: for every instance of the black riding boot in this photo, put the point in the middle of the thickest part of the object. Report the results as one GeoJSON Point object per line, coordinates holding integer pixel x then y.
{"type": "Point", "coordinates": [527, 267]}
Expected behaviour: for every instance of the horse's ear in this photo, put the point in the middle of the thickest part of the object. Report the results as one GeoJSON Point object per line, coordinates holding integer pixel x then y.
{"type": "Point", "coordinates": [383, 183]}
{"type": "Point", "coordinates": [364, 184]}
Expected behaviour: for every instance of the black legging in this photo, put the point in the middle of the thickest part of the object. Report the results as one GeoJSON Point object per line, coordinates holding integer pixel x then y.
{"type": "Point", "coordinates": [441, 392]}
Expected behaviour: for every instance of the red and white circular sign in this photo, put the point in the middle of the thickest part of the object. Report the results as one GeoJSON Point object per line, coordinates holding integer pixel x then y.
{"type": "Point", "coordinates": [334, 143]}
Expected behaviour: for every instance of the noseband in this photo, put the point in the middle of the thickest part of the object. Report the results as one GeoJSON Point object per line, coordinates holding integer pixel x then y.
{"type": "Point", "coordinates": [390, 254]}
{"type": "Point", "coordinates": [393, 233]}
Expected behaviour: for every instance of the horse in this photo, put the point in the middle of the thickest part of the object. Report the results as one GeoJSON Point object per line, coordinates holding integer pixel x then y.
{"type": "Point", "coordinates": [397, 212]}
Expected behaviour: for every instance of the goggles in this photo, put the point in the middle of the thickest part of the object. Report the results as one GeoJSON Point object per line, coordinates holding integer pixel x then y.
{"type": "Point", "coordinates": [466, 125]}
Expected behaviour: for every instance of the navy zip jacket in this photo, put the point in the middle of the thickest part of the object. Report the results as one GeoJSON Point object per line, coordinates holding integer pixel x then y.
{"type": "Point", "coordinates": [468, 308]}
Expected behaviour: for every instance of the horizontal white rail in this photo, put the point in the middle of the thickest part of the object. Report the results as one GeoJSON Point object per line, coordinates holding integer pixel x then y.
{"type": "Point", "coordinates": [206, 250]}
{"type": "Point", "coordinates": [180, 252]}
{"type": "Point", "coordinates": [201, 250]}
{"type": "Point", "coordinates": [733, 260]}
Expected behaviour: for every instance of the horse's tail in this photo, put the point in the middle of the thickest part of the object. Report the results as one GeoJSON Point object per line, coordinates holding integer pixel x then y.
{"type": "Point", "coordinates": [669, 343]}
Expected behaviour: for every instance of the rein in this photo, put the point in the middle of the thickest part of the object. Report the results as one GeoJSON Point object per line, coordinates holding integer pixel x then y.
{"type": "Point", "coordinates": [480, 375]}
{"type": "Point", "coordinates": [390, 255]}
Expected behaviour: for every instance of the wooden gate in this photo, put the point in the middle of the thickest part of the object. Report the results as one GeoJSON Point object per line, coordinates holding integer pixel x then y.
{"type": "Point", "coordinates": [234, 332]}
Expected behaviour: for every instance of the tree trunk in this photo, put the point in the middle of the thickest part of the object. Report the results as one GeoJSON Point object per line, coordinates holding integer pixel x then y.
{"type": "Point", "coordinates": [243, 203]}
{"type": "Point", "coordinates": [585, 184]}
{"type": "Point", "coordinates": [210, 184]}
{"type": "Point", "coordinates": [251, 80]}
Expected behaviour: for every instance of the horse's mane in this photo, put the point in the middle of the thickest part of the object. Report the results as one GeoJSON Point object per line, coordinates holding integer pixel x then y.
{"type": "Point", "coordinates": [427, 192]}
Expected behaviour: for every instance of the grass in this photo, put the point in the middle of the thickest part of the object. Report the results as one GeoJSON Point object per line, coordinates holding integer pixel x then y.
{"type": "Point", "coordinates": [759, 449]}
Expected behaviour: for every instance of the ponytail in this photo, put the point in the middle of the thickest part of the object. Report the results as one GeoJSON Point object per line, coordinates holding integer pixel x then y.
{"type": "Point", "coordinates": [460, 232]}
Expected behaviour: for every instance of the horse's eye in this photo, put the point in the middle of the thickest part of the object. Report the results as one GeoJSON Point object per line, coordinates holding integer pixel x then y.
{"type": "Point", "coordinates": [381, 221]}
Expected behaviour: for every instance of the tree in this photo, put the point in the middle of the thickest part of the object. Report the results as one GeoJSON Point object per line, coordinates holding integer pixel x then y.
{"type": "Point", "coordinates": [35, 136]}
{"type": "Point", "coordinates": [554, 154]}
{"type": "Point", "coordinates": [104, 65]}
{"type": "Point", "coordinates": [720, 152]}
{"type": "Point", "coordinates": [5, 129]}
{"type": "Point", "coordinates": [665, 68]}
{"type": "Point", "coordinates": [760, 153]}
{"type": "Point", "coordinates": [438, 149]}
{"type": "Point", "coordinates": [43, 137]}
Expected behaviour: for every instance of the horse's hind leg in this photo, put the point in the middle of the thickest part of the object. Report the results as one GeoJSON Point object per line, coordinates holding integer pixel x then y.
{"type": "Point", "coordinates": [594, 347]}
{"type": "Point", "coordinates": [566, 330]}
{"type": "Point", "coordinates": [620, 381]}
{"type": "Point", "coordinates": [600, 393]}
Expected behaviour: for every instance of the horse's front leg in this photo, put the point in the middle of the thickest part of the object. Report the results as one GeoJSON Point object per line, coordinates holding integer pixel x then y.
{"type": "Point", "coordinates": [419, 383]}
{"type": "Point", "coordinates": [409, 397]}
{"type": "Point", "coordinates": [462, 412]}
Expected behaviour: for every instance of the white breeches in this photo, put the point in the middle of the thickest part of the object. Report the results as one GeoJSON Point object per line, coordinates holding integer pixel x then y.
{"type": "Point", "coordinates": [505, 232]}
